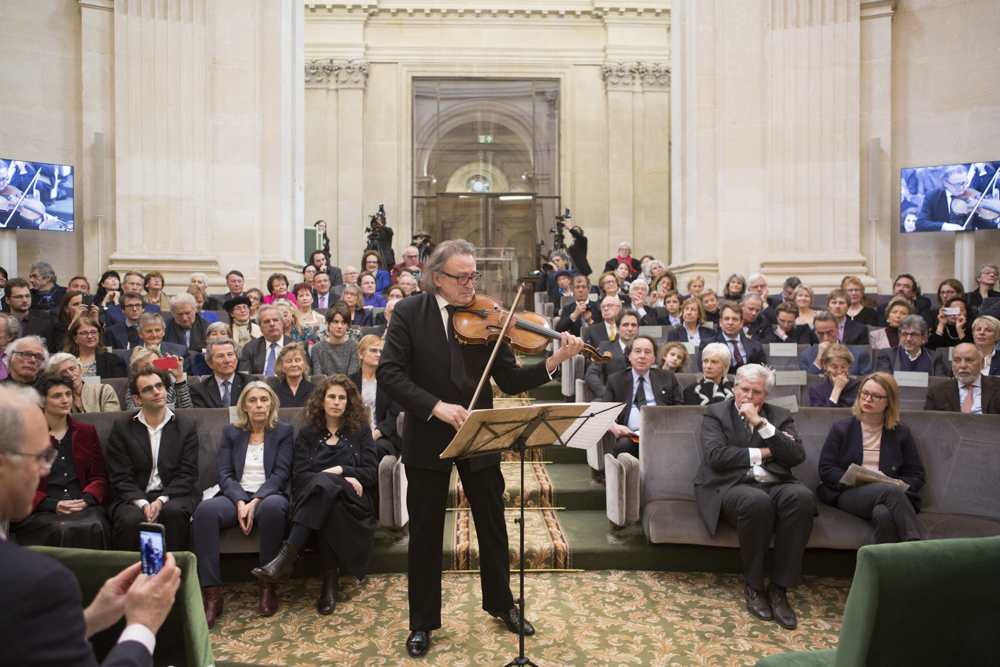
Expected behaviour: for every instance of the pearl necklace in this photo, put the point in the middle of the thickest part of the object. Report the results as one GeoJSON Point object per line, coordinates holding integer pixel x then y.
{"type": "Point", "coordinates": [256, 448]}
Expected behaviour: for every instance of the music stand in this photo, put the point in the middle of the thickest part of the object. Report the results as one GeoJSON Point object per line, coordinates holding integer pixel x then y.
{"type": "Point", "coordinates": [519, 429]}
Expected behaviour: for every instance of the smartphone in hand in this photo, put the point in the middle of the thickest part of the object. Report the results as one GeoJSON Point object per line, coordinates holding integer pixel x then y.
{"type": "Point", "coordinates": [152, 547]}
{"type": "Point", "coordinates": [165, 364]}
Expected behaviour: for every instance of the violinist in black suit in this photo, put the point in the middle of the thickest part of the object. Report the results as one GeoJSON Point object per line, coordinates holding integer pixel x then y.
{"type": "Point", "coordinates": [433, 377]}
{"type": "Point", "coordinates": [224, 387]}
{"type": "Point", "coordinates": [642, 385]}
{"type": "Point", "coordinates": [597, 374]}
{"type": "Point", "coordinates": [749, 449]}
{"type": "Point", "coordinates": [937, 213]}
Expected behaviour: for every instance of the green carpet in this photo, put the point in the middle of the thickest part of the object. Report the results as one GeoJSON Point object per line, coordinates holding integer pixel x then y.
{"type": "Point", "coordinates": [588, 618]}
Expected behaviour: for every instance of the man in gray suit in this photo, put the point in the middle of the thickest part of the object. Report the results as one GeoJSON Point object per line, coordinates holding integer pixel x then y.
{"type": "Point", "coordinates": [260, 354]}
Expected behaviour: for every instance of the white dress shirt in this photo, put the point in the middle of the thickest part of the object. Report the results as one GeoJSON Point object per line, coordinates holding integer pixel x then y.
{"type": "Point", "coordinates": [693, 338]}
{"type": "Point", "coordinates": [155, 435]}
{"type": "Point", "coordinates": [647, 389]}
{"type": "Point", "coordinates": [987, 362]}
{"type": "Point", "coordinates": [759, 473]}
{"type": "Point", "coordinates": [253, 469]}
{"type": "Point", "coordinates": [977, 394]}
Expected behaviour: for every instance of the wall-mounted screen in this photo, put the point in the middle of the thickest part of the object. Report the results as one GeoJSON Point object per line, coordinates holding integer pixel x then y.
{"type": "Point", "coordinates": [36, 195]}
{"type": "Point", "coordinates": [949, 198]}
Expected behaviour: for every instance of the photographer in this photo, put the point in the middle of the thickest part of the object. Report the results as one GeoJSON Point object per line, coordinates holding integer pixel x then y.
{"type": "Point", "coordinates": [380, 237]}
{"type": "Point", "coordinates": [558, 261]}
{"type": "Point", "coordinates": [578, 251]}
{"type": "Point", "coordinates": [422, 240]}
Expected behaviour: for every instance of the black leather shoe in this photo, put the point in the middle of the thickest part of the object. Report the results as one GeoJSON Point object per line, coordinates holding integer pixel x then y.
{"type": "Point", "coordinates": [328, 595]}
{"type": "Point", "coordinates": [756, 604]}
{"type": "Point", "coordinates": [418, 642]}
{"type": "Point", "coordinates": [512, 617]}
{"type": "Point", "coordinates": [780, 608]}
{"type": "Point", "coordinates": [281, 567]}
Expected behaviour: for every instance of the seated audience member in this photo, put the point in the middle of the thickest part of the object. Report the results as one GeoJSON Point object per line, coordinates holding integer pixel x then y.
{"type": "Point", "coordinates": [359, 315]}
{"type": "Point", "coordinates": [652, 272]}
{"type": "Point", "coordinates": [153, 283]}
{"type": "Point", "coordinates": [87, 396]}
{"type": "Point", "coordinates": [43, 619]}
{"type": "Point", "coordinates": [787, 331]}
{"type": "Point", "coordinates": [337, 354]}
{"type": "Point", "coordinates": [674, 357]}
{"type": "Point", "coordinates": [151, 330]}
{"type": "Point", "coordinates": [260, 354]}
{"type": "Point", "coordinates": [394, 292]}
{"type": "Point", "coordinates": [972, 392]}
{"type": "Point", "coordinates": [33, 322]}
{"type": "Point", "coordinates": [951, 330]}
{"type": "Point", "coordinates": [658, 289]}
{"type": "Point", "coordinates": [199, 365]}
{"type": "Point", "coordinates": [370, 297]}
{"type": "Point", "coordinates": [803, 298]}
{"type": "Point", "coordinates": [898, 308]}
{"type": "Point", "coordinates": [334, 476]}
{"type": "Point", "coordinates": [730, 333]}
{"type": "Point", "coordinates": [131, 283]}
{"type": "Point", "coordinates": [948, 290]}
{"type": "Point", "coordinates": [695, 286]}
{"type": "Point", "coordinates": [692, 317]}
{"type": "Point", "coordinates": [25, 358]}
{"type": "Point", "coordinates": [857, 310]}
{"type": "Point", "coordinates": [848, 331]}
{"type": "Point", "coordinates": [291, 369]}
{"type": "Point", "coordinates": [124, 335]}
{"type": "Point", "coordinates": [748, 451]}
{"type": "Point", "coordinates": [710, 300]}
{"type": "Point", "coordinates": [607, 330]}
{"type": "Point", "coordinates": [411, 260]}
{"type": "Point", "coordinates": [78, 284]}
{"type": "Point", "coordinates": [277, 286]}
{"type": "Point", "coordinates": [608, 285]}
{"type": "Point", "coordinates": [234, 285]}
{"type": "Point", "coordinates": [574, 315]}
{"type": "Point", "coordinates": [875, 439]}
{"type": "Point", "coordinates": [307, 317]}
{"type": "Point", "coordinates": [67, 508]}
{"type": "Point", "coordinates": [564, 284]}
{"type": "Point", "coordinates": [626, 326]}
{"type": "Point", "coordinates": [178, 389]}
{"type": "Point", "coordinates": [255, 480]}
{"type": "Point", "coordinates": [838, 390]}
{"type": "Point", "coordinates": [382, 409]}
{"type": "Point", "coordinates": [548, 279]}
{"type": "Point", "coordinates": [71, 309]}
{"type": "Point", "coordinates": [622, 274]}
{"type": "Point", "coordinates": [45, 293]}
{"type": "Point", "coordinates": [109, 290]}
{"type": "Point", "coordinates": [351, 275]}
{"type": "Point", "coordinates": [986, 280]}
{"type": "Point", "coordinates": [222, 389]}
{"type": "Point", "coordinates": [201, 280]}
{"type": "Point", "coordinates": [906, 286]}
{"type": "Point", "coordinates": [408, 283]}
{"type": "Point", "coordinates": [84, 341]}
{"type": "Point", "coordinates": [758, 285]}
{"type": "Point", "coordinates": [638, 386]}
{"type": "Point", "coordinates": [10, 330]}
{"type": "Point", "coordinates": [712, 385]}
{"type": "Point", "coordinates": [672, 304]}
{"type": "Point", "coordinates": [787, 292]}
{"type": "Point", "coordinates": [826, 334]}
{"type": "Point", "coordinates": [624, 257]}
{"type": "Point", "coordinates": [372, 262]}
{"type": "Point", "coordinates": [911, 355]}
{"type": "Point", "coordinates": [244, 329]}
{"type": "Point", "coordinates": [382, 319]}
{"type": "Point", "coordinates": [986, 335]}
{"type": "Point", "coordinates": [187, 327]}
{"type": "Point", "coordinates": [256, 300]}
{"type": "Point", "coordinates": [736, 287]}
{"type": "Point", "coordinates": [755, 325]}
{"type": "Point", "coordinates": [290, 325]}
{"type": "Point", "coordinates": [309, 272]}
{"type": "Point", "coordinates": [322, 294]}
{"type": "Point", "coordinates": [637, 293]}
{"type": "Point", "coordinates": [320, 260]}
{"type": "Point", "coordinates": [152, 460]}
{"type": "Point", "coordinates": [200, 297]}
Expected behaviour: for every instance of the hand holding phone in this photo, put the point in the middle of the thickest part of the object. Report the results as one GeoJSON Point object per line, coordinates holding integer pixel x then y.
{"type": "Point", "coordinates": [152, 547]}
{"type": "Point", "coordinates": [165, 364]}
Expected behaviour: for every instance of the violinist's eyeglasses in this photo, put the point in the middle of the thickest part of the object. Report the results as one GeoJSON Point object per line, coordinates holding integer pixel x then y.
{"type": "Point", "coordinates": [464, 280]}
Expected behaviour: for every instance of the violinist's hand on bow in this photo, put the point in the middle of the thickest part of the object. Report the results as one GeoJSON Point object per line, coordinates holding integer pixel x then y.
{"type": "Point", "coordinates": [571, 345]}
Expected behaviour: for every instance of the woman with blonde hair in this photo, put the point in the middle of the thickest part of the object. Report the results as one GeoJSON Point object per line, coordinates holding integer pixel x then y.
{"type": "Point", "coordinates": [895, 311]}
{"type": "Point", "coordinates": [986, 335]}
{"type": "Point", "coordinates": [695, 286]}
{"type": "Point", "coordinates": [859, 307]}
{"type": "Point", "coordinates": [838, 390]}
{"type": "Point", "coordinates": [803, 297]}
{"type": "Point", "coordinates": [290, 368]}
{"type": "Point", "coordinates": [201, 299]}
{"type": "Point", "coordinates": [383, 409]}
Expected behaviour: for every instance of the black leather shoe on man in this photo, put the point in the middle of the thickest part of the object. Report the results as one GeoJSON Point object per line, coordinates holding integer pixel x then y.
{"type": "Point", "coordinates": [418, 642]}
{"type": "Point", "coordinates": [782, 611]}
{"type": "Point", "coordinates": [512, 617]}
{"type": "Point", "coordinates": [756, 604]}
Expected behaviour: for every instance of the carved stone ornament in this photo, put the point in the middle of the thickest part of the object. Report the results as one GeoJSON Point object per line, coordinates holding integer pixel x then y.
{"type": "Point", "coordinates": [623, 76]}
{"type": "Point", "coordinates": [619, 76]}
{"type": "Point", "coordinates": [327, 73]}
{"type": "Point", "coordinates": [655, 76]}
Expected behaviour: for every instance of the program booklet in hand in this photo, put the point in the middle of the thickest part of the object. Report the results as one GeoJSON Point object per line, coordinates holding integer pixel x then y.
{"type": "Point", "coordinates": [857, 475]}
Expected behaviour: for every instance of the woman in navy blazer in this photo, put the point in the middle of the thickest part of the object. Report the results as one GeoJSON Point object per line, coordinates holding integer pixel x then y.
{"type": "Point", "coordinates": [255, 476]}
{"type": "Point", "coordinates": [875, 432]}
{"type": "Point", "coordinates": [838, 389]}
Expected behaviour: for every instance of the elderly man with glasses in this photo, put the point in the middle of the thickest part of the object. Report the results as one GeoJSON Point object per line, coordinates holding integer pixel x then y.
{"type": "Point", "coordinates": [411, 260]}
{"type": "Point", "coordinates": [25, 358]}
{"type": "Point", "coordinates": [911, 355]}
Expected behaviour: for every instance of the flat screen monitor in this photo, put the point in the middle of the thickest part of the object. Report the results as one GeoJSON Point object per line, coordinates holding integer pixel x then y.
{"type": "Point", "coordinates": [36, 195]}
{"type": "Point", "coordinates": [949, 198]}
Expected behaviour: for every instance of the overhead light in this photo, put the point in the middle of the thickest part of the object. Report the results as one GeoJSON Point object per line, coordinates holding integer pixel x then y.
{"type": "Point", "coordinates": [515, 198]}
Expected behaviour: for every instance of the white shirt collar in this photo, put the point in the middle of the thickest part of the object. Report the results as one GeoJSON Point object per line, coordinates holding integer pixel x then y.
{"type": "Point", "coordinates": [141, 416]}
{"type": "Point", "coordinates": [977, 383]}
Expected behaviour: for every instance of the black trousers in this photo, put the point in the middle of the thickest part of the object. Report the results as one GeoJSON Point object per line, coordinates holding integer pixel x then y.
{"type": "Point", "coordinates": [87, 529]}
{"type": "Point", "coordinates": [216, 514]}
{"type": "Point", "coordinates": [757, 511]}
{"type": "Point", "coordinates": [175, 515]}
{"type": "Point", "coordinates": [887, 507]}
{"type": "Point", "coordinates": [426, 500]}
{"type": "Point", "coordinates": [626, 445]}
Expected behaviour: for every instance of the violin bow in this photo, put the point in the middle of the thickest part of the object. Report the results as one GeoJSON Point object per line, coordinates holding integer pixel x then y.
{"type": "Point", "coordinates": [23, 195]}
{"type": "Point", "coordinates": [975, 208]}
{"type": "Point", "coordinates": [503, 332]}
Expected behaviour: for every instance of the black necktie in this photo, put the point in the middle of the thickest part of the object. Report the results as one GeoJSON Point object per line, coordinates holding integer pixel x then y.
{"type": "Point", "coordinates": [640, 394]}
{"type": "Point", "coordinates": [458, 376]}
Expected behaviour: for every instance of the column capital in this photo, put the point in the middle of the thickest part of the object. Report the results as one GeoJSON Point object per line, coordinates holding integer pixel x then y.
{"type": "Point", "coordinates": [334, 74]}
{"type": "Point", "coordinates": [619, 76]}
{"type": "Point", "coordinates": [636, 76]}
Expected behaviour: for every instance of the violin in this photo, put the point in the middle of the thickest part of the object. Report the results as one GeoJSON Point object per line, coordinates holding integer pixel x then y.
{"type": "Point", "coordinates": [963, 204]}
{"type": "Point", "coordinates": [480, 322]}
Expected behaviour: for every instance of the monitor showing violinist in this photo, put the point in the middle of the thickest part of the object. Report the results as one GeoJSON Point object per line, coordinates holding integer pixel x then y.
{"type": "Point", "coordinates": [950, 198]}
{"type": "Point", "coordinates": [36, 195]}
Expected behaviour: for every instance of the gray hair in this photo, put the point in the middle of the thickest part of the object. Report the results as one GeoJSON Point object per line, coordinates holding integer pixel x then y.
{"type": "Point", "coordinates": [13, 325]}
{"type": "Point", "coordinates": [719, 351]}
{"type": "Point", "coordinates": [60, 358]}
{"type": "Point", "coordinates": [638, 283]}
{"type": "Point", "coordinates": [825, 316]}
{"type": "Point", "coordinates": [756, 373]}
{"type": "Point", "coordinates": [201, 275]}
{"type": "Point", "coordinates": [12, 403]}
{"type": "Point", "coordinates": [562, 254]}
{"type": "Point", "coordinates": [444, 251]}
{"type": "Point", "coordinates": [648, 271]}
{"type": "Point", "coordinates": [183, 299]}
{"type": "Point", "coordinates": [983, 267]}
{"type": "Point", "coordinates": [45, 270]}
{"type": "Point", "coordinates": [911, 322]}
{"type": "Point", "coordinates": [263, 309]}
{"type": "Point", "coordinates": [149, 318]}
{"type": "Point", "coordinates": [15, 345]}
{"type": "Point", "coordinates": [217, 326]}
{"type": "Point", "coordinates": [751, 295]}
{"type": "Point", "coordinates": [216, 342]}
{"type": "Point", "coordinates": [626, 244]}
{"type": "Point", "coordinates": [755, 276]}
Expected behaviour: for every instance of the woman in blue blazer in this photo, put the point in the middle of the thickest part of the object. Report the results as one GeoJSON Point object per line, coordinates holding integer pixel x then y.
{"type": "Point", "coordinates": [875, 439]}
{"type": "Point", "coordinates": [255, 476]}
{"type": "Point", "coordinates": [838, 390]}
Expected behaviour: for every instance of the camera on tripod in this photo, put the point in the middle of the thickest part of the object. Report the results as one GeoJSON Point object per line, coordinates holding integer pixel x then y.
{"type": "Point", "coordinates": [559, 241]}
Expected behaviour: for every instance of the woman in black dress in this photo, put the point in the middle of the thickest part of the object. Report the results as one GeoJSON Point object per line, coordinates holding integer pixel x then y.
{"type": "Point", "coordinates": [333, 478]}
{"type": "Point", "coordinates": [291, 367]}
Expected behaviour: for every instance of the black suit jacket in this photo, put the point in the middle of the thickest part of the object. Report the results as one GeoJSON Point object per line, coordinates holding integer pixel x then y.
{"type": "Point", "coordinates": [726, 458]}
{"type": "Point", "coordinates": [278, 446]}
{"type": "Point", "coordinates": [386, 411]}
{"type": "Point", "coordinates": [888, 362]}
{"type": "Point", "coordinates": [944, 397]}
{"type": "Point", "coordinates": [54, 298]}
{"type": "Point", "coordinates": [855, 333]}
{"type": "Point", "coordinates": [116, 336]}
{"type": "Point", "coordinates": [331, 299]}
{"type": "Point", "coordinates": [595, 334]}
{"type": "Point", "coordinates": [801, 334]}
{"type": "Point", "coordinates": [130, 462]}
{"type": "Point", "coordinates": [597, 373]}
{"type": "Point", "coordinates": [754, 350]}
{"type": "Point", "coordinates": [934, 211]}
{"type": "Point", "coordinates": [566, 322]}
{"type": "Point", "coordinates": [42, 616]}
{"type": "Point", "coordinates": [898, 457]}
{"type": "Point", "coordinates": [199, 334]}
{"type": "Point", "coordinates": [578, 253]}
{"type": "Point", "coordinates": [680, 334]}
{"type": "Point", "coordinates": [759, 329]}
{"type": "Point", "coordinates": [253, 359]}
{"type": "Point", "coordinates": [922, 307]}
{"type": "Point", "coordinates": [336, 276]}
{"type": "Point", "coordinates": [41, 324]}
{"type": "Point", "coordinates": [205, 394]}
{"type": "Point", "coordinates": [666, 390]}
{"type": "Point", "coordinates": [114, 314]}
{"type": "Point", "coordinates": [110, 366]}
{"type": "Point", "coordinates": [415, 371]}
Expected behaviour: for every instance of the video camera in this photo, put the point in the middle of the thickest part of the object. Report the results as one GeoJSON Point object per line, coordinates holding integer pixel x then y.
{"type": "Point", "coordinates": [559, 242]}
{"type": "Point", "coordinates": [376, 230]}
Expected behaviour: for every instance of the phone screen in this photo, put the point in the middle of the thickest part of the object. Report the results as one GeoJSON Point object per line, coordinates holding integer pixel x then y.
{"type": "Point", "coordinates": [152, 548]}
